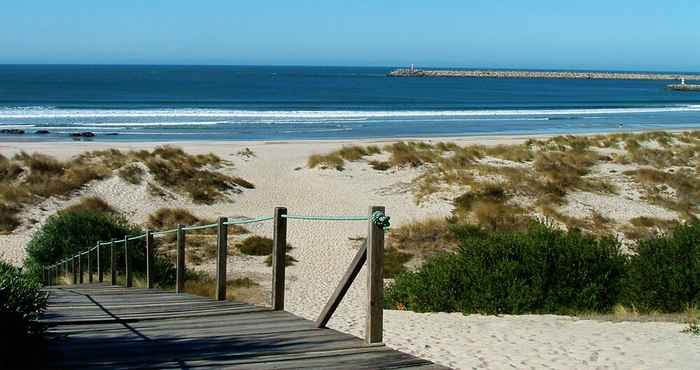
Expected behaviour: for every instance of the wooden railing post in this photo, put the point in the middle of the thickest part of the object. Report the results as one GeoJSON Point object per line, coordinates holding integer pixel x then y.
{"type": "Point", "coordinates": [99, 263]}
{"type": "Point", "coordinates": [375, 280]}
{"type": "Point", "coordinates": [127, 263]}
{"type": "Point", "coordinates": [279, 253]}
{"type": "Point", "coordinates": [180, 278]}
{"type": "Point", "coordinates": [80, 267]}
{"type": "Point", "coordinates": [89, 267]}
{"type": "Point", "coordinates": [113, 262]}
{"type": "Point", "coordinates": [47, 276]}
{"type": "Point", "coordinates": [149, 259]}
{"type": "Point", "coordinates": [221, 256]}
{"type": "Point", "coordinates": [75, 271]}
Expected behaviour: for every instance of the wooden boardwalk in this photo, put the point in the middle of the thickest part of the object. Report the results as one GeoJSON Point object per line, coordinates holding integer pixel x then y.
{"type": "Point", "coordinates": [94, 325]}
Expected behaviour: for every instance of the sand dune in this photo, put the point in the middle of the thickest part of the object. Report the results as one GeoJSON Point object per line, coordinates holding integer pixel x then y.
{"type": "Point", "coordinates": [324, 250]}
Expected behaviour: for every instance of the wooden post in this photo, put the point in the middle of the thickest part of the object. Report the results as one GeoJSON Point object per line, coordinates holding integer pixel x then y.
{"type": "Point", "coordinates": [75, 271]}
{"type": "Point", "coordinates": [375, 280]}
{"type": "Point", "coordinates": [149, 259]}
{"type": "Point", "coordinates": [99, 263]}
{"type": "Point", "coordinates": [113, 262]}
{"type": "Point", "coordinates": [80, 267]}
{"type": "Point", "coordinates": [180, 280]}
{"type": "Point", "coordinates": [127, 263]}
{"type": "Point", "coordinates": [89, 267]}
{"type": "Point", "coordinates": [47, 277]}
{"type": "Point", "coordinates": [221, 256]}
{"type": "Point", "coordinates": [279, 253]}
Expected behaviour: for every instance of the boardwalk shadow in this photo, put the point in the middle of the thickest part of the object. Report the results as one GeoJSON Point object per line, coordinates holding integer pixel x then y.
{"type": "Point", "coordinates": [236, 338]}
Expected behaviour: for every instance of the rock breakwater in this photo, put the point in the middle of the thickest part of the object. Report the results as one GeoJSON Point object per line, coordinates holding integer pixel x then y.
{"type": "Point", "coordinates": [540, 74]}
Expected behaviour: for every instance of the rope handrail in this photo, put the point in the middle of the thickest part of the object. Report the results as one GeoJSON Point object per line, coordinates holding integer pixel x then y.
{"type": "Point", "coordinates": [325, 218]}
{"type": "Point", "coordinates": [247, 221]}
{"type": "Point", "coordinates": [164, 232]}
{"type": "Point", "coordinates": [378, 218]}
{"type": "Point", "coordinates": [199, 227]}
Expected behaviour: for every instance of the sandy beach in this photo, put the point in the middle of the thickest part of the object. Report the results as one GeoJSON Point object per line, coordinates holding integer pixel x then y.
{"type": "Point", "coordinates": [325, 248]}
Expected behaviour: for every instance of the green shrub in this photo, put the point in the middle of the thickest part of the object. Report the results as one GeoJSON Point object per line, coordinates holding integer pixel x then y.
{"type": "Point", "coordinates": [256, 246]}
{"type": "Point", "coordinates": [288, 260]}
{"type": "Point", "coordinates": [665, 273]}
{"type": "Point", "coordinates": [394, 261]}
{"type": "Point", "coordinates": [538, 270]}
{"type": "Point", "coordinates": [67, 233]}
{"type": "Point", "coordinates": [21, 303]}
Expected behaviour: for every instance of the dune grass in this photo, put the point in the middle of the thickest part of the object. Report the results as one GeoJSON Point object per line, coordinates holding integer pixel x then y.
{"type": "Point", "coordinates": [132, 173]}
{"type": "Point", "coordinates": [29, 178]}
{"type": "Point", "coordinates": [91, 204]}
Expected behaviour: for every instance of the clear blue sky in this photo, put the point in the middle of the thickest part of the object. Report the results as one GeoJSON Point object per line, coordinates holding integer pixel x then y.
{"type": "Point", "coordinates": [593, 34]}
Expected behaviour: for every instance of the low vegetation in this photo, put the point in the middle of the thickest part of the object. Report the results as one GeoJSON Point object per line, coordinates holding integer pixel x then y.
{"type": "Point", "coordinates": [261, 246]}
{"type": "Point", "coordinates": [73, 230]}
{"type": "Point", "coordinates": [515, 272]}
{"type": "Point", "coordinates": [21, 303]}
{"type": "Point", "coordinates": [664, 274]}
{"type": "Point", "coordinates": [504, 186]}
{"type": "Point", "coordinates": [29, 178]}
{"type": "Point", "coordinates": [546, 270]}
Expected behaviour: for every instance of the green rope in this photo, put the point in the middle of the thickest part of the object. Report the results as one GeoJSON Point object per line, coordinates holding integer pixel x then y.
{"type": "Point", "coordinates": [250, 221]}
{"type": "Point", "coordinates": [381, 220]}
{"type": "Point", "coordinates": [326, 218]}
{"type": "Point", "coordinates": [200, 227]}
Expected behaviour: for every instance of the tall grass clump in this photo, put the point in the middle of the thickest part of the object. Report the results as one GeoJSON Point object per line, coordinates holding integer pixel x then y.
{"type": "Point", "coordinates": [539, 270]}
{"type": "Point", "coordinates": [664, 275]}
{"type": "Point", "coordinates": [21, 303]}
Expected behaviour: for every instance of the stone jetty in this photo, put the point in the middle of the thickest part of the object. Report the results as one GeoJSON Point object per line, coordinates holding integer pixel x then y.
{"type": "Point", "coordinates": [410, 72]}
{"type": "Point", "coordinates": [684, 87]}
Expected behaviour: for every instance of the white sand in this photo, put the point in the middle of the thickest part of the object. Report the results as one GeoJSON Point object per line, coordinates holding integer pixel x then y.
{"type": "Point", "coordinates": [324, 252]}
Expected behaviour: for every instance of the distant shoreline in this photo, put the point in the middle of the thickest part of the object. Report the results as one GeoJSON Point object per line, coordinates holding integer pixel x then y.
{"type": "Point", "coordinates": [570, 75]}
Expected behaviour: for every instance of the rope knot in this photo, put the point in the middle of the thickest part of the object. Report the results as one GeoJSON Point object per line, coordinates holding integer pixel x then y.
{"type": "Point", "coordinates": [381, 220]}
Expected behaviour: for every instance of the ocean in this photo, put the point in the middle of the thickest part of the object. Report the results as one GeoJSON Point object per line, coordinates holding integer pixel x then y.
{"type": "Point", "coordinates": [168, 103]}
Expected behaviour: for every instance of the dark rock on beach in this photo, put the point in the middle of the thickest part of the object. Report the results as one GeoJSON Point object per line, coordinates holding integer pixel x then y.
{"type": "Point", "coordinates": [42, 132]}
{"type": "Point", "coordinates": [83, 134]}
{"type": "Point", "coordinates": [11, 131]}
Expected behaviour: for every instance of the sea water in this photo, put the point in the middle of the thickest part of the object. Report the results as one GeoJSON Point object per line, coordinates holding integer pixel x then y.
{"type": "Point", "coordinates": [167, 103]}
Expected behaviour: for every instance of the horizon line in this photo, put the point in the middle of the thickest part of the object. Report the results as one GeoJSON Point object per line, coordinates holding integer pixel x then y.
{"type": "Point", "coordinates": [343, 66]}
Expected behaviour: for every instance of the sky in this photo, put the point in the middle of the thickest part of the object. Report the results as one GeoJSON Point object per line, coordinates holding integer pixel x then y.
{"type": "Point", "coordinates": [546, 34]}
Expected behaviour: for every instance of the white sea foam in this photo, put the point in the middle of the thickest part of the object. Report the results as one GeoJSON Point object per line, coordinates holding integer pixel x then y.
{"type": "Point", "coordinates": [51, 113]}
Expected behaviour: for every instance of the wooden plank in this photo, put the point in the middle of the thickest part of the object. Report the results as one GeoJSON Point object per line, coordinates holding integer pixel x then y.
{"type": "Point", "coordinates": [375, 280]}
{"type": "Point", "coordinates": [221, 257]}
{"type": "Point", "coordinates": [343, 286]}
{"type": "Point", "coordinates": [115, 327]}
{"type": "Point", "coordinates": [279, 253]}
{"type": "Point", "coordinates": [180, 270]}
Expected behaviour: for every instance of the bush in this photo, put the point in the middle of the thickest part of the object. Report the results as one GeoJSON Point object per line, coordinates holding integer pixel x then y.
{"type": "Point", "coordinates": [540, 270]}
{"type": "Point", "coordinates": [256, 246]}
{"type": "Point", "coordinates": [67, 233]}
{"type": "Point", "coordinates": [665, 273]}
{"type": "Point", "coordinates": [21, 303]}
